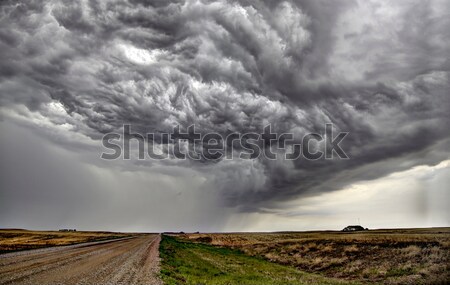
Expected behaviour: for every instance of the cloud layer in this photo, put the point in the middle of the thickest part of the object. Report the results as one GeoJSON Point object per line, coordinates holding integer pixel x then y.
{"type": "Point", "coordinates": [76, 70]}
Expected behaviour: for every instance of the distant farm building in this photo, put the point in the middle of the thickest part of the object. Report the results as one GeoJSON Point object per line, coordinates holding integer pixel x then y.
{"type": "Point", "coordinates": [67, 230]}
{"type": "Point", "coordinates": [354, 229]}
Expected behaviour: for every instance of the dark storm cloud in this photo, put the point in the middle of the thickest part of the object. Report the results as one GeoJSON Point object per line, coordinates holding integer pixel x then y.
{"type": "Point", "coordinates": [236, 66]}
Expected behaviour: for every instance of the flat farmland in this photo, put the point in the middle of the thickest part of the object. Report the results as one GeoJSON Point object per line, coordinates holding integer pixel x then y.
{"type": "Point", "coordinates": [17, 239]}
{"type": "Point", "coordinates": [186, 262]}
{"type": "Point", "coordinates": [398, 256]}
{"type": "Point", "coordinates": [401, 256]}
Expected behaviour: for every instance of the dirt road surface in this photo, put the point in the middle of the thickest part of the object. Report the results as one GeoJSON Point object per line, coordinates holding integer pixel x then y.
{"type": "Point", "coordinates": [125, 261]}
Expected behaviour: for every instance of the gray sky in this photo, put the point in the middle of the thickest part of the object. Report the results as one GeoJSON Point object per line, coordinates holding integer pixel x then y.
{"type": "Point", "coordinates": [71, 71]}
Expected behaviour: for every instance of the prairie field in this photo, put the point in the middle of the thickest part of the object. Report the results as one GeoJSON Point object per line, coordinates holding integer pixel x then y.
{"type": "Point", "coordinates": [397, 256]}
{"type": "Point", "coordinates": [401, 256]}
{"type": "Point", "coordinates": [186, 262]}
{"type": "Point", "coordinates": [18, 239]}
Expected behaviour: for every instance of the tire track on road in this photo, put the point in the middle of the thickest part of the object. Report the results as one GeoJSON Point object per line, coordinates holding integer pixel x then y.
{"type": "Point", "coordinates": [130, 261]}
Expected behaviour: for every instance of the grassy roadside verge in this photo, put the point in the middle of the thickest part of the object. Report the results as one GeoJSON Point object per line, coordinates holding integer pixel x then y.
{"type": "Point", "coordinates": [185, 262]}
{"type": "Point", "coordinates": [17, 240]}
{"type": "Point", "coordinates": [387, 256]}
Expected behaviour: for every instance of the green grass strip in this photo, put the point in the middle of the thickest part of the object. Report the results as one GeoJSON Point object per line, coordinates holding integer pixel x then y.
{"type": "Point", "coordinates": [185, 262]}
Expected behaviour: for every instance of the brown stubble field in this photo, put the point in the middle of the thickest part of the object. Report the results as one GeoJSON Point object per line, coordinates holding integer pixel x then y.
{"type": "Point", "coordinates": [18, 239]}
{"type": "Point", "coordinates": [397, 256]}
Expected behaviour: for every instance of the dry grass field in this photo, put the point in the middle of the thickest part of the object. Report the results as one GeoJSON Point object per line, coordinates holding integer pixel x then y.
{"type": "Point", "coordinates": [17, 239]}
{"type": "Point", "coordinates": [185, 262]}
{"type": "Point", "coordinates": [400, 256]}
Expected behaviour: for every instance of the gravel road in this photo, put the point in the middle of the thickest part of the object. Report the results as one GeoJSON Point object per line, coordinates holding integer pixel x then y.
{"type": "Point", "coordinates": [125, 261]}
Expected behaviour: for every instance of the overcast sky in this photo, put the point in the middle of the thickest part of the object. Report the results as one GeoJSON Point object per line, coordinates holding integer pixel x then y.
{"type": "Point", "coordinates": [72, 71]}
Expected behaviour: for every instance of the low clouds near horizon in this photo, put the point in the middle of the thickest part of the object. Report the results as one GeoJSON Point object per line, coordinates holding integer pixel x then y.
{"type": "Point", "coordinates": [72, 71]}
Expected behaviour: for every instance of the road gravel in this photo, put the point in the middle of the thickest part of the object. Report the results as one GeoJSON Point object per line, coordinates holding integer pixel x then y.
{"type": "Point", "coordinates": [125, 261]}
